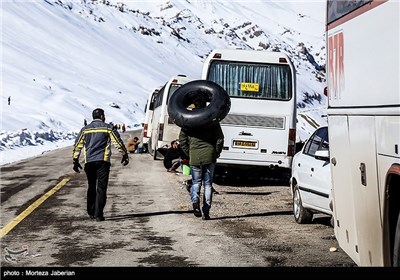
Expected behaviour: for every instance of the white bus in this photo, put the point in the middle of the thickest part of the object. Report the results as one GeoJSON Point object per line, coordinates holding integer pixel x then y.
{"type": "Point", "coordinates": [363, 46]}
{"type": "Point", "coordinates": [260, 128]}
{"type": "Point", "coordinates": [163, 130]}
{"type": "Point", "coordinates": [148, 120]}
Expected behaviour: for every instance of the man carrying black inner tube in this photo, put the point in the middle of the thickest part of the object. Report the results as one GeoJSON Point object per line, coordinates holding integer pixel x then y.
{"type": "Point", "coordinates": [203, 146]}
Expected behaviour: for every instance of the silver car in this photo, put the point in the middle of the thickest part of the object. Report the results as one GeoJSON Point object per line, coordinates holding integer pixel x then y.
{"type": "Point", "coordinates": [310, 183]}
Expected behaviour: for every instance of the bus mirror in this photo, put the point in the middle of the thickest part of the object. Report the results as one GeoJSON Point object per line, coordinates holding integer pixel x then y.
{"type": "Point", "coordinates": [326, 91]}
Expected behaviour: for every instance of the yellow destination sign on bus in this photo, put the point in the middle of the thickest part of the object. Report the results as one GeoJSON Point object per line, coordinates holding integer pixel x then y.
{"type": "Point", "coordinates": [249, 87]}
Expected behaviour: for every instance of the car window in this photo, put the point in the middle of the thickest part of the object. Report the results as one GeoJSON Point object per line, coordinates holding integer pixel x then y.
{"type": "Point", "coordinates": [317, 141]}
{"type": "Point", "coordinates": [325, 142]}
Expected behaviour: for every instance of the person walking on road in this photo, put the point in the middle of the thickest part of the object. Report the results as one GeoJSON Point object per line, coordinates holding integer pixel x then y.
{"type": "Point", "coordinates": [95, 139]}
{"type": "Point", "coordinates": [203, 147]}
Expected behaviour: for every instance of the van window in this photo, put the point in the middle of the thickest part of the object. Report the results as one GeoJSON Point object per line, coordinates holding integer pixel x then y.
{"type": "Point", "coordinates": [159, 98]}
{"type": "Point", "coordinates": [173, 88]}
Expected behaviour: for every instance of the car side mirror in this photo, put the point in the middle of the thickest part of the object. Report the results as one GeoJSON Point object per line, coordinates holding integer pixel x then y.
{"type": "Point", "coordinates": [322, 154]}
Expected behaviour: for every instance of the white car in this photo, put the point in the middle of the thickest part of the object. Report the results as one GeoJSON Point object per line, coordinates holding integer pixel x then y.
{"type": "Point", "coordinates": [310, 183]}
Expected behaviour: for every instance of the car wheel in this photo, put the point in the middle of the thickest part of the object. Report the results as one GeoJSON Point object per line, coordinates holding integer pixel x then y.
{"type": "Point", "coordinates": [396, 246]}
{"type": "Point", "coordinates": [218, 100]}
{"type": "Point", "coordinates": [301, 214]}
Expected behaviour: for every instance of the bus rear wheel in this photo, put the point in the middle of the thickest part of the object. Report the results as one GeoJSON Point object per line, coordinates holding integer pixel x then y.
{"type": "Point", "coordinates": [396, 246]}
{"type": "Point", "coordinates": [183, 115]}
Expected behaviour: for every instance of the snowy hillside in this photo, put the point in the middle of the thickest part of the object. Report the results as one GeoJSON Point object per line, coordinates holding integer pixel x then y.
{"type": "Point", "coordinates": [62, 59]}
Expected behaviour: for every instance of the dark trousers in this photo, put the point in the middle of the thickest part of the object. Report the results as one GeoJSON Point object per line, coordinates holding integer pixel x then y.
{"type": "Point", "coordinates": [97, 175]}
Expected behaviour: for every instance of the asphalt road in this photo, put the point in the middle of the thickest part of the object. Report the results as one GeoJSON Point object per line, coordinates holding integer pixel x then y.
{"type": "Point", "coordinates": [149, 222]}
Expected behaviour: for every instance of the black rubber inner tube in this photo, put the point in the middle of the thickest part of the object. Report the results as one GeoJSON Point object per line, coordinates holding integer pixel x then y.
{"type": "Point", "coordinates": [181, 112]}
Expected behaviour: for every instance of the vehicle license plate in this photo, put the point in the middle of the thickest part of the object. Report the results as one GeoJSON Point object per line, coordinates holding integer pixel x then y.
{"type": "Point", "coordinates": [244, 144]}
{"type": "Point", "coordinates": [249, 87]}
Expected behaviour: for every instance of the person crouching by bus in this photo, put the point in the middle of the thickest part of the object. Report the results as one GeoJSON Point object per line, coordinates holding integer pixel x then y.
{"type": "Point", "coordinates": [133, 145]}
{"type": "Point", "coordinates": [203, 147]}
{"type": "Point", "coordinates": [173, 157]}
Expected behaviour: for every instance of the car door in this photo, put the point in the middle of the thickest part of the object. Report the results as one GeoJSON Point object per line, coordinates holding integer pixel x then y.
{"type": "Point", "coordinates": [313, 173]}
{"type": "Point", "coordinates": [320, 176]}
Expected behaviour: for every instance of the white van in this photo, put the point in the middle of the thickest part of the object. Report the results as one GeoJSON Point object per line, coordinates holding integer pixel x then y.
{"type": "Point", "coordinates": [163, 130]}
{"type": "Point", "coordinates": [149, 117]}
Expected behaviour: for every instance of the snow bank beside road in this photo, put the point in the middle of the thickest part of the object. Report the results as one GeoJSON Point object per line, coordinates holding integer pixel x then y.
{"type": "Point", "coordinates": [23, 144]}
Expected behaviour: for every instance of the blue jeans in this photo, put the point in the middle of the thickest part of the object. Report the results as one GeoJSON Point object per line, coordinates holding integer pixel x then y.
{"type": "Point", "coordinates": [202, 174]}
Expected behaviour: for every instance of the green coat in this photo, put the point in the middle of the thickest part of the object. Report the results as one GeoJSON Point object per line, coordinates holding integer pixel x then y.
{"type": "Point", "coordinates": [202, 145]}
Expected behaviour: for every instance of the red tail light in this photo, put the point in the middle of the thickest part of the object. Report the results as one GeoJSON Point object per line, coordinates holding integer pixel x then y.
{"type": "Point", "coordinates": [282, 60]}
{"type": "Point", "coordinates": [160, 132]}
{"type": "Point", "coordinates": [292, 142]}
{"type": "Point", "coordinates": [145, 130]}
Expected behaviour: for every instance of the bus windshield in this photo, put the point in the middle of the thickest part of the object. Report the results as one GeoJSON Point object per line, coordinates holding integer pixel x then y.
{"type": "Point", "coordinates": [338, 9]}
{"type": "Point", "coordinates": [254, 81]}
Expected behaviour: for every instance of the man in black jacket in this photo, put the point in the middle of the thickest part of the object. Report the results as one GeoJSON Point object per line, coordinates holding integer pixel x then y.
{"type": "Point", "coordinates": [95, 139]}
{"type": "Point", "coordinates": [173, 157]}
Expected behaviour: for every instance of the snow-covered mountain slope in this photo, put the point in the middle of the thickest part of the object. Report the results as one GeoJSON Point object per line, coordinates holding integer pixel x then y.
{"type": "Point", "coordinates": [61, 59]}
